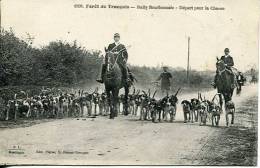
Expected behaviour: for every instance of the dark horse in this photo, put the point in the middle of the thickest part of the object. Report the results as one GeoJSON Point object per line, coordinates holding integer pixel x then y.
{"type": "Point", "coordinates": [224, 83]}
{"type": "Point", "coordinates": [113, 83]}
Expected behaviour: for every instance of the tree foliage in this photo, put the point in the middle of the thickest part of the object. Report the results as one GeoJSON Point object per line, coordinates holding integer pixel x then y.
{"type": "Point", "coordinates": [64, 64]}
{"type": "Point", "coordinates": [58, 63]}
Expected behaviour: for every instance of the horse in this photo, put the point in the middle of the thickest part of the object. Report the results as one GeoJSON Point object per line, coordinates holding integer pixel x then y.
{"type": "Point", "coordinates": [113, 83]}
{"type": "Point", "coordinates": [224, 83]}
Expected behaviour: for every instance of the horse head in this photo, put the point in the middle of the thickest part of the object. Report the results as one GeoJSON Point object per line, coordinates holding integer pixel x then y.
{"type": "Point", "coordinates": [111, 60]}
{"type": "Point", "coordinates": [220, 65]}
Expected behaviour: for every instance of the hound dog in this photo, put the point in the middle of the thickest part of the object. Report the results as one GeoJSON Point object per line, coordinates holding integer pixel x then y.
{"type": "Point", "coordinates": [214, 111]}
{"type": "Point", "coordinates": [186, 106]}
{"type": "Point", "coordinates": [144, 107]}
{"type": "Point", "coordinates": [203, 111]}
{"type": "Point", "coordinates": [96, 101]}
{"type": "Point", "coordinates": [103, 106]}
{"type": "Point", "coordinates": [169, 104]}
{"type": "Point", "coordinates": [195, 105]}
{"type": "Point", "coordinates": [230, 109]}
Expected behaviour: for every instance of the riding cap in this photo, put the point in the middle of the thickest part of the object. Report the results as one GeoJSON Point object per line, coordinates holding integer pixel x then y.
{"type": "Point", "coordinates": [116, 35]}
{"type": "Point", "coordinates": [226, 50]}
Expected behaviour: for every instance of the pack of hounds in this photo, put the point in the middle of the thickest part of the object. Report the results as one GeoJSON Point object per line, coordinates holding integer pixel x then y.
{"type": "Point", "coordinates": [142, 104]}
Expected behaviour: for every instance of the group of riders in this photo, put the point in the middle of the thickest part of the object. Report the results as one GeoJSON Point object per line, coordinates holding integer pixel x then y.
{"type": "Point", "coordinates": [120, 52]}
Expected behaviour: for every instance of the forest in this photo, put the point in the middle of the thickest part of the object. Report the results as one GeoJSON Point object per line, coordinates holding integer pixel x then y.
{"type": "Point", "coordinates": [64, 64]}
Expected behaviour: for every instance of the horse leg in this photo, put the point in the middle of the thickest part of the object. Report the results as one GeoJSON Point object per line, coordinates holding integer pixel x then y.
{"type": "Point", "coordinates": [227, 119]}
{"type": "Point", "coordinates": [185, 116]}
{"type": "Point", "coordinates": [221, 101]}
{"type": "Point", "coordinates": [126, 100]}
{"type": "Point", "coordinates": [233, 117]}
{"type": "Point", "coordinates": [109, 103]}
{"type": "Point", "coordinates": [231, 93]}
{"type": "Point", "coordinates": [115, 93]}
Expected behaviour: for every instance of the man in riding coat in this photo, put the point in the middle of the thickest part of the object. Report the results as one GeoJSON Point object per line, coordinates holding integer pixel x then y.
{"type": "Point", "coordinates": [120, 50]}
{"type": "Point", "coordinates": [228, 60]}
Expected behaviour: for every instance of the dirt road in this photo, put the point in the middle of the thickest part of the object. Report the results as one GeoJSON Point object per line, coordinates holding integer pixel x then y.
{"type": "Point", "coordinates": [126, 140]}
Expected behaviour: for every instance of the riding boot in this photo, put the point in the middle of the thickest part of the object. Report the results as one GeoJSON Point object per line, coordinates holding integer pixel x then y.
{"type": "Point", "coordinates": [124, 74]}
{"type": "Point", "coordinates": [103, 70]}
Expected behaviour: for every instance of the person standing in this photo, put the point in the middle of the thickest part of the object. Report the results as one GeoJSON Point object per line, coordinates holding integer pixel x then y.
{"type": "Point", "coordinates": [165, 78]}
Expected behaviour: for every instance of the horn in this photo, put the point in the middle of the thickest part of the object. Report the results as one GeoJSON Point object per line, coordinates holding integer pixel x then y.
{"type": "Point", "coordinates": [154, 93]}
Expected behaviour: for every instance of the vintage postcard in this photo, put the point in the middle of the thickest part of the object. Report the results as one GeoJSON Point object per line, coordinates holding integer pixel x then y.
{"type": "Point", "coordinates": [126, 82]}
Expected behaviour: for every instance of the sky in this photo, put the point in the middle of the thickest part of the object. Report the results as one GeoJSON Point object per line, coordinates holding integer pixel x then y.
{"type": "Point", "coordinates": [156, 36]}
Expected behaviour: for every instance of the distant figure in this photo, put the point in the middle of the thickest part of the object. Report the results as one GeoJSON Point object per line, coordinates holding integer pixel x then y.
{"type": "Point", "coordinates": [165, 77]}
{"type": "Point", "coordinates": [240, 82]}
{"type": "Point", "coordinates": [253, 76]}
{"type": "Point", "coordinates": [240, 78]}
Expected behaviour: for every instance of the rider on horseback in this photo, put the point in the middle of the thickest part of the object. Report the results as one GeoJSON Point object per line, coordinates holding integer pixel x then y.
{"type": "Point", "coordinates": [228, 60]}
{"type": "Point", "coordinates": [120, 51]}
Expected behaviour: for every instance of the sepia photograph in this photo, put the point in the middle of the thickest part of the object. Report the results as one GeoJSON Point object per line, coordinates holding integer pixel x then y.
{"type": "Point", "coordinates": [125, 82]}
